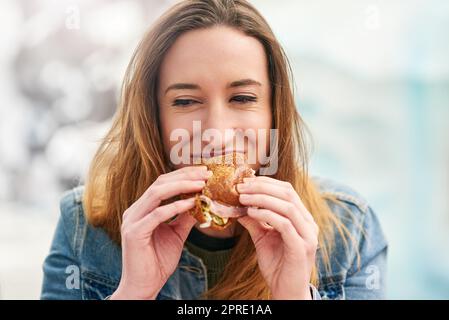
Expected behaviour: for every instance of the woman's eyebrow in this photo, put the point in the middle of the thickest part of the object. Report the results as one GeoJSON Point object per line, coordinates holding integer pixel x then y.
{"type": "Point", "coordinates": [192, 86]}
{"type": "Point", "coordinates": [244, 82]}
{"type": "Point", "coordinates": [180, 86]}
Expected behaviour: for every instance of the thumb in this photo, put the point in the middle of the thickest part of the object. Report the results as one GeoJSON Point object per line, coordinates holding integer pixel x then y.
{"type": "Point", "coordinates": [183, 224]}
{"type": "Point", "coordinates": [255, 229]}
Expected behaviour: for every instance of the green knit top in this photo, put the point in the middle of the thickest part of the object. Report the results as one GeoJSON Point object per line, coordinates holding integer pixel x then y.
{"type": "Point", "coordinates": [214, 252]}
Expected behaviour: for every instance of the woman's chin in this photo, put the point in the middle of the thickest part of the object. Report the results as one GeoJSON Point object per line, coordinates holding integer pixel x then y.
{"type": "Point", "coordinates": [229, 231]}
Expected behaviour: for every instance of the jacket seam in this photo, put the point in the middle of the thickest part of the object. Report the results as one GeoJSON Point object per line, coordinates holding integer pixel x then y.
{"type": "Point", "coordinates": [92, 276]}
{"type": "Point", "coordinates": [206, 284]}
{"type": "Point", "coordinates": [361, 205]}
{"type": "Point", "coordinates": [351, 271]}
{"type": "Point", "coordinates": [71, 243]}
{"type": "Point", "coordinates": [359, 239]}
{"type": "Point", "coordinates": [80, 229]}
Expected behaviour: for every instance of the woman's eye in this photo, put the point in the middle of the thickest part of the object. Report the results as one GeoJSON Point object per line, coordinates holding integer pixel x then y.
{"type": "Point", "coordinates": [244, 99]}
{"type": "Point", "coordinates": [183, 102]}
{"type": "Point", "coordinates": [239, 99]}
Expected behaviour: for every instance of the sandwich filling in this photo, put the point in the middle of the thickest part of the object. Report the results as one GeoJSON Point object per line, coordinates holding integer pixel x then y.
{"type": "Point", "coordinates": [217, 212]}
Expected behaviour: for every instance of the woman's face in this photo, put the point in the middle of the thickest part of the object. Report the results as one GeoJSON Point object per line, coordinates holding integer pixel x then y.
{"type": "Point", "coordinates": [217, 77]}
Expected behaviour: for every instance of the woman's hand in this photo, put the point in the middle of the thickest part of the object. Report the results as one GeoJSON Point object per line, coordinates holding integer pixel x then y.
{"type": "Point", "coordinates": [151, 248]}
{"type": "Point", "coordinates": [285, 249]}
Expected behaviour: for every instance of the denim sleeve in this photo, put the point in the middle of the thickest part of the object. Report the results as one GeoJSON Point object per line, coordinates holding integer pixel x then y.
{"type": "Point", "coordinates": [366, 277]}
{"type": "Point", "coordinates": [61, 268]}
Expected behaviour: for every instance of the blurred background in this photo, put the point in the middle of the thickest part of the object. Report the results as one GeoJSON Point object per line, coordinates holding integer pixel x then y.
{"type": "Point", "coordinates": [372, 83]}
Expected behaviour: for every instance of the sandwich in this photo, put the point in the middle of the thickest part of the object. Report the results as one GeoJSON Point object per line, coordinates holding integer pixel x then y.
{"type": "Point", "coordinates": [218, 203]}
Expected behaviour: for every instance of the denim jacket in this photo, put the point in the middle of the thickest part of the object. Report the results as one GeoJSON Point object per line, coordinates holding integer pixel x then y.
{"type": "Point", "coordinates": [84, 263]}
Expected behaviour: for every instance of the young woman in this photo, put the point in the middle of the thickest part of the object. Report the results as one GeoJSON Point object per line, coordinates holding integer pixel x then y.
{"type": "Point", "coordinates": [216, 62]}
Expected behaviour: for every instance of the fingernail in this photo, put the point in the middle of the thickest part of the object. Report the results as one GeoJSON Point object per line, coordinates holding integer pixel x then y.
{"type": "Point", "coordinates": [241, 187]}
{"type": "Point", "coordinates": [243, 197]}
{"type": "Point", "coordinates": [252, 211]}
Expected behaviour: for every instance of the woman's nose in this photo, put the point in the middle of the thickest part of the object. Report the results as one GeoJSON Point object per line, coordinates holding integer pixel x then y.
{"type": "Point", "coordinates": [219, 117]}
{"type": "Point", "coordinates": [221, 120]}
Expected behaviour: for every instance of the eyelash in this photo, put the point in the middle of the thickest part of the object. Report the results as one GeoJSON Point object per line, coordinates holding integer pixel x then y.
{"type": "Point", "coordinates": [242, 99]}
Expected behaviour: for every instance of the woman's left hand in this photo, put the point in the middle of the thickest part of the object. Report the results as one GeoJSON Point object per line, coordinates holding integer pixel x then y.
{"type": "Point", "coordinates": [286, 249]}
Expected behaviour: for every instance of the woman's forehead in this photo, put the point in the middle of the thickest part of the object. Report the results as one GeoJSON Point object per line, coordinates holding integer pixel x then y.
{"type": "Point", "coordinates": [219, 54]}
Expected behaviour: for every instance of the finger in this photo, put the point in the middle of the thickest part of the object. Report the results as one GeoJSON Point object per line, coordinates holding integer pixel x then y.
{"type": "Point", "coordinates": [279, 189]}
{"type": "Point", "coordinates": [185, 173]}
{"type": "Point", "coordinates": [281, 207]}
{"type": "Point", "coordinates": [267, 179]}
{"type": "Point", "coordinates": [152, 199]}
{"type": "Point", "coordinates": [183, 225]}
{"type": "Point", "coordinates": [281, 224]}
{"type": "Point", "coordinates": [255, 229]}
{"type": "Point", "coordinates": [163, 213]}
{"type": "Point", "coordinates": [260, 186]}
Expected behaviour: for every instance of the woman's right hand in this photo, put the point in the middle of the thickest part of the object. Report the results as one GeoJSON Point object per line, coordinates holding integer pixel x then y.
{"type": "Point", "coordinates": [151, 249]}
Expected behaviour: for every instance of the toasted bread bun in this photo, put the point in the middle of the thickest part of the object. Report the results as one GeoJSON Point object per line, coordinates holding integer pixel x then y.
{"type": "Point", "coordinates": [219, 202]}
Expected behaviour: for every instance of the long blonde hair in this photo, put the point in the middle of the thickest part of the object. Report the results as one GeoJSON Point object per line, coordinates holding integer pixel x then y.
{"type": "Point", "coordinates": [131, 155]}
